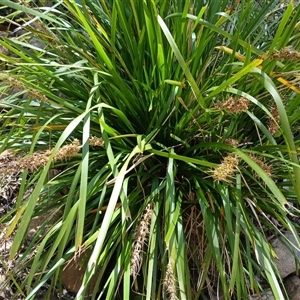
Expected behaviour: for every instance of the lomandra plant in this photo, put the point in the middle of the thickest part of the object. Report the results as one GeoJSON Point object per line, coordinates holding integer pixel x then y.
{"type": "Point", "coordinates": [162, 138]}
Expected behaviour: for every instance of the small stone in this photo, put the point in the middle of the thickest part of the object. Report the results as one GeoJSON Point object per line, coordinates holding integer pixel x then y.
{"type": "Point", "coordinates": [285, 260]}
{"type": "Point", "coordinates": [2, 278]}
{"type": "Point", "coordinates": [292, 286]}
{"type": "Point", "coordinates": [38, 221]}
{"type": "Point", "coordinates": [265, 295]}
{"type": "Point", "coordinates": [73, 272]}
{"type": "Point", "coordinates": [5, 291]}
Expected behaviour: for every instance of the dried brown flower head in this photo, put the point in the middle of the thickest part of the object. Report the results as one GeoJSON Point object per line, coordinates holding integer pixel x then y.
{"type": "Point", "coordinates": [8, 163]}
{"type": "Point", "coordinates": [14, 82]}
{"type": "Point", "coordinates": [35, 161]}
{"type": "Point", "coordinates": [232, 142]}
{"type": "Point", "coordinates": [234, 106]}
{"type": "Point", "coordinates": [20, 86]}
{"type": "Point", "coordinates": [39, 159]}
{"type": "Point", "coordinates": [67, 151]}
{"type": "Point", "coordinates": [227, 168]}
{"type": "Point", "coordinates": [141, 237]}
{"type": "Point", "coordinates": [170, 282]}
{"type": "Point", "coordinates": [286, 53]}
{"type": "Point", "coordinates": [273, 126]}
{"type": "Point", "coordinates": [37, 95]}
{"type": "Point", "coordinates": [96, 141]}
{"type": "Point", "coordinates": [267, 168]}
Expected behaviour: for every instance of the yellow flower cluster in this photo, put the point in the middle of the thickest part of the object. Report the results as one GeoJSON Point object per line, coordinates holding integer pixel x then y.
{"type": "Point", "coordinates": [227, 168]}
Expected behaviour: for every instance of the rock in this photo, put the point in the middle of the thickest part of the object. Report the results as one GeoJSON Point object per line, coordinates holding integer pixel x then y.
{"type": "Point", "coordinates": [286, 265]}
{"type": "Point", "coordinates": [37, 222]}
{"type": "Point", "coordinates": [5, 290]}
{"type": "Point", "coordinates": [292, 286]}
{"type": "Point", "coordinates": [4, 155]}
{"type": "Point", "coordinates": [285, 260]}
{"type": "Point", "coordinates": [266, 295]}
{"type": "Point", "coordinates": [72, 274]}
{"type": "Point", "coordinates": [38, 44]}
{"type": "Point", "coordinates": [52, 297]}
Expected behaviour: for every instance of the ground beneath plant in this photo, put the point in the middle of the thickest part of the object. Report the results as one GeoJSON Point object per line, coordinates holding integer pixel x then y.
{"type": "Point", "coordinates": [9, 188]}
{"type": "Point", "coordinates": [8, 290]}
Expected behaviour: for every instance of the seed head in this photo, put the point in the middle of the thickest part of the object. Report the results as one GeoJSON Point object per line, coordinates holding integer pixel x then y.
{"type": "Point", "coordinates": [37, 95]}
{"type": "Point", "coordinates": [39, 159]}
{"type": "Point", "coordinates": [35, 161]}
{"type": "Point", "coordinates": [227, 168]}
{"type": "Point", "coordinates": [141, 237]}
{"type": "Point", "coordinates": [68, 151]}
{"type": "Point", "coordinates": [286, 53]}
{"type": "Point", "coordinates": [273, 123]}
{"type": "Point", "coordinates": [96, 141]}
{"type": "Point", "coordinates": [19, 85]}
{"type": "Point", "coordinates": [170, 282]}
{"type": "Point", "coordinates": [234, 106]}
{"type": "Point", "coordinates": [232, 142]}
{"type": "Point", "coordinates": [263, 165]}
{"type": "Point", "coordinates": [16, 83]}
